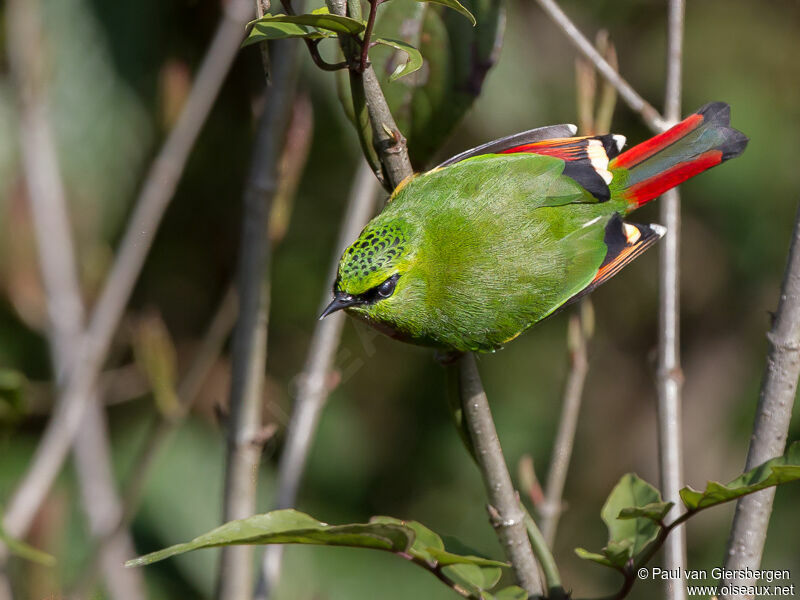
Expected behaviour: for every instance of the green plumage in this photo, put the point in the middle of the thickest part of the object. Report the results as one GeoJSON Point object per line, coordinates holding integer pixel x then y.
{"type": "Point", "coordinates": [490, 246]}
{"type": "Point", "coordinates": [468, 256]}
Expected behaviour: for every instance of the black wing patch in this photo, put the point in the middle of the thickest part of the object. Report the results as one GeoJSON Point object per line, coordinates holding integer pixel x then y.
{"type": "Point", "coordinates": [625, 242]}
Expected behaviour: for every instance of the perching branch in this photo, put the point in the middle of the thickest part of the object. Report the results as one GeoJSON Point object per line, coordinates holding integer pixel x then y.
{"type": "Point", "coordinates": [151, 204]}
{"type": "Point", "coordinates": [636, 103]}
{"type": "Point", "coordinates": [249, 351]}
{"type": "Point", "coordinates": [391, 148]}
{"type": "Point", "coordinates": [505, 512]}
{"type": "Point", "coordinates": [62, 290]}
{"type": "Point", "coordinates": [313, 389]}
{"type": "Point", "coordinates": [773, 415]}
{"type": "Point", "coordinates": [669, 377]}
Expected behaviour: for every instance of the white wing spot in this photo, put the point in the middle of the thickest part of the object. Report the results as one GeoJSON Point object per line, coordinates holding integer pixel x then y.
{"type": "Point", "coordinates": [599, 159]}
{"type": "Point", "coordinates": [632, 233]}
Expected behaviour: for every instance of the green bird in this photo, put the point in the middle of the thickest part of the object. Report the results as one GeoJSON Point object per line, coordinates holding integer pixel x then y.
{"type": "Point", "coordinates": [472, 253]}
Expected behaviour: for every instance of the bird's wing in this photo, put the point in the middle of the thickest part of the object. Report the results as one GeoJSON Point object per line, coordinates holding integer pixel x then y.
{"type": "Point", "coordinates": [513, 141]}
{"type": "Point", "coordinates": [585, 158]}
{"type": "Point", "coordinates": [625, 242]}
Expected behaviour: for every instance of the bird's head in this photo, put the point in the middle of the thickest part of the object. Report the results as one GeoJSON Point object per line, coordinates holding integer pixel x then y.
{"type": "Point", "coordinates": [370, 279]}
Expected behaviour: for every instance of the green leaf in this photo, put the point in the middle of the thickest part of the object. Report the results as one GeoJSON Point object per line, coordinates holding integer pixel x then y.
{"type": "Point", "coordinates": [291, 527]}
{"type": "Point", "coordinates": [513, 592]}
{"type": "Point", "coordinates": [156, 357]}
{"type": "Point", "coordinates": [779, 470]}
{"type": "Point", "coordinates": [12, 393]}
{"type": "Point", "coordinates": [318, 20]}
{"type": "Point", "coordinates": [430, 104]}
{"type": "Point", "coordinates": [25, 551]}
{"type": "Point", "coordinates": [456, 6]}
{"type": "Point", "coordinates": [655, 511]}
{"type": "Point", "coordinates": [428, 546]}
{"type": "Point", "coordinates": [628, 535]}
{"type": "Point", "coordinates": [631, 491]}
{"type": "Point", "coordinates": [472, 577]}
{"type": "Point", "coordinates": [413, 62]}
{"type": "Point", "coordinates": [444, 558]}
{"type": "Point", "coordinates": [262, 32]}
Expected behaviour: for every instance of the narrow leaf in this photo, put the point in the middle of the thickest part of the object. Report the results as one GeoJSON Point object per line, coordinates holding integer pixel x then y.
{"type": "Point", "coordinates": [264, 31]}
{"type": "Point", "coordinates": [782, 469]}
{"type": "Point", "coordinates": [320, 20]}
{"type": "Point", "coordinates": [291, 527]}
{"type": "Point", "coordinates": [413, 62]}
{"type": "Point", "coordinates": [25, 551]}
{"type": "Point", "coordinates": [455, 5]}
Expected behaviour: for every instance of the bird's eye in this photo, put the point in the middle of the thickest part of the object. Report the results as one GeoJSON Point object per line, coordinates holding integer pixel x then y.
{"type": "Point", "coordinates": [386, 289]}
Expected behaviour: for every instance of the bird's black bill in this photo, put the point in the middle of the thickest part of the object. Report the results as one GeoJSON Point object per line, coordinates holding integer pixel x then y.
{"type": "Point", "coordinates": [339, 302]}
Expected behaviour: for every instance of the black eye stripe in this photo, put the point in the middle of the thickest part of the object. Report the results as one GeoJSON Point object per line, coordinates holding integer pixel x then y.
{"type": "Point", "coordinates": [381, 291]}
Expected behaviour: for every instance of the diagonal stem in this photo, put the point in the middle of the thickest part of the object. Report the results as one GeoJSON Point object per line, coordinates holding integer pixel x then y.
{"type": "Point", "coordinates": [636, 103]}
{"type": "Point", "coordinates": [773, 416]}
{"type": "Point", "coordinates": [156, 193]}
{"type": "Point", "coordinates": [506, 514]}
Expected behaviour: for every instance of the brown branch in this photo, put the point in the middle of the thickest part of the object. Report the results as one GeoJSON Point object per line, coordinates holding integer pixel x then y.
{"type": "Point", "coordinates": [773, 415]}
{"type": "Point", "coordinates": [151, 204]}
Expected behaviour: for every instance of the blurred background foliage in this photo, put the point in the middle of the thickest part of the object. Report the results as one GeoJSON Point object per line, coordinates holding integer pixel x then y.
{"type": "Point", "coordinates": [119, 73]}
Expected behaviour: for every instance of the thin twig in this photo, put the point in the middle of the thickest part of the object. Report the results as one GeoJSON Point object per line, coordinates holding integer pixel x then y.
{"type": "Point", "coordinates": [627, 93]}
{"type": "Point", "coordinates": [160, 431]}
{"type": "Point", "coordinates": [578, 333]}
{"type": "Point", "coordinates": [773, 415]}
{"type": "Point", "coordinates": [156, 194]}
{"type": "Point", "coordinates": [392, 150]}
{"type": "Point", "coordinates": [506, 514]}
{"type": "Point", "coordinates": [387, 140]}
{"type": "Point", "coordinates": [669, 377]}
{"type": "Point", "coordinates": [249, 351]}
{"type": "Point", "coordinates": [63, 296]}
{"type": "Point", "coordinates": [555, 591]}
{"type": "Point", "coordinates": [313, 390]}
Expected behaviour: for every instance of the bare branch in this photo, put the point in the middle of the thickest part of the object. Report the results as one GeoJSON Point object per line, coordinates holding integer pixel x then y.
{"type": "Point", "coordinates": [313, 391]}
{"type": "Point", "coordinates": [160, 431]}
{"type": "Point", "coordinates": [506, 514]}
{"type": "Point", "coordinates": [627, 93]}
{"type": "Point", "coordinates": [669, 378]}
{"type": "Point", "coordinates": [250, 334]}
{"type": "Point", "coordinates": [63, 296]}
{"type": "Point", "coordinates": [156, 194]}
{"type": "Point", "coordinates": [578, 334]}
{"type": "Point", "coordinates": [773, 415]}
{"type": "Point", "coordinates": [387, 140]}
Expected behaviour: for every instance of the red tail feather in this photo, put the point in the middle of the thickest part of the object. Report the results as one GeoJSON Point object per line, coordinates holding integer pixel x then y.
{"type": "Point", "coordinates": [699, 142]}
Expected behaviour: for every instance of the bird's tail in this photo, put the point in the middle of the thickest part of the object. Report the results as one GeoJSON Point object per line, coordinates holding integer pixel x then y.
{"type": "Point", "coordinates": [699, 142]}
